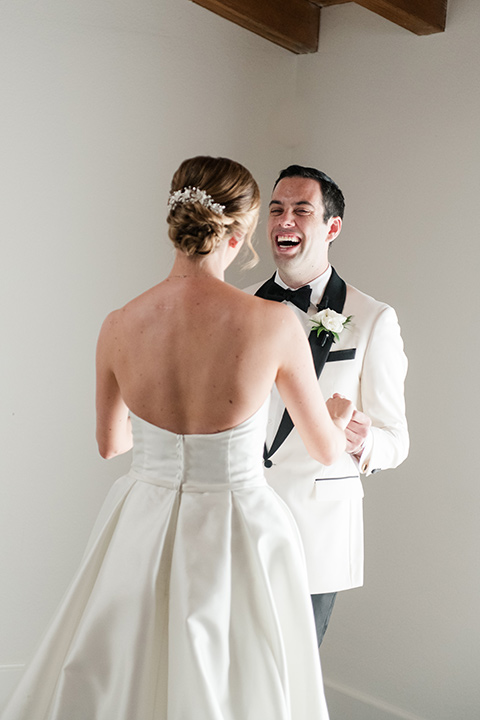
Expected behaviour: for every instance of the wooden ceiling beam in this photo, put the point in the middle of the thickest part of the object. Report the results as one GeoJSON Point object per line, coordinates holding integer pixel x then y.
{"type": "Point", "coordinates": [326, 3]}
{"type": "Point", "coordinates": [295, 24]}
{"type": "Point", "coordinates": [422, 17]}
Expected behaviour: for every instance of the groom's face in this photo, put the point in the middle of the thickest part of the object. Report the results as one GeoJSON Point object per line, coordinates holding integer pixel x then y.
{"type": "Point", "coordinates": [299, 236]}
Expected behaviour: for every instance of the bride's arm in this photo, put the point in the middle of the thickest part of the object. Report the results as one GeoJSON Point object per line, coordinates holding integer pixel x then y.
{"type": "Point", "coordinates": [114, 431]}
{"type": "Point", "coordinates": [321, 428]}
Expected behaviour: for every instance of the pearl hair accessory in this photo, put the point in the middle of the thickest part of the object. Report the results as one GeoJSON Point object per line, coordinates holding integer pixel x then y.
{"type": "Point", "coordinates": [191, 195]}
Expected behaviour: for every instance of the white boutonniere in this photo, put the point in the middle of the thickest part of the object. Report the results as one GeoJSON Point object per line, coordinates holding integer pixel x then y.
{"type": "Point", "coordinates": [329, 321]}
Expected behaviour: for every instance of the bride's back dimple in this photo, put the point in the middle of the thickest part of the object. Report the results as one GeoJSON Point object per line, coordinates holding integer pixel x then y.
{"type": "Point", "coordinates": [232, 457]}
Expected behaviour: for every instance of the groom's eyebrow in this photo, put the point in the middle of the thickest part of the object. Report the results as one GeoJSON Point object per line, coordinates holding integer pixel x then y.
{"type": "Point", "coordinates": [299, 202]}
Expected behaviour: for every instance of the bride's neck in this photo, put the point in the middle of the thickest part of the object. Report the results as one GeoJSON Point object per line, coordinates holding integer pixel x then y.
{"type": "Point", "coordinates": [197, 266]}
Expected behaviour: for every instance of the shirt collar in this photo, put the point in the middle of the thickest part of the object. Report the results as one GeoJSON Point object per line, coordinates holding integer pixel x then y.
{"type": "Point", "coordinates": [318, 285]}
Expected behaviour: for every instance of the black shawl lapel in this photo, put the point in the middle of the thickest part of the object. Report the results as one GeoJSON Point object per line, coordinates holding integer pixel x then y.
{"type": "Point", "coordinates": [333, 298]}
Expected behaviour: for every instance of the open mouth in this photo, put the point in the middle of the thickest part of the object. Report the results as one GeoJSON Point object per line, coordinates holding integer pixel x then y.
{"type": "Point", "coordinates": [287, 241]}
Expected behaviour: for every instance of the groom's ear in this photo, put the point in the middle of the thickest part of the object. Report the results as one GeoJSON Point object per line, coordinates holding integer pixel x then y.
{"type": "Point", "coordinates": [335, 225]}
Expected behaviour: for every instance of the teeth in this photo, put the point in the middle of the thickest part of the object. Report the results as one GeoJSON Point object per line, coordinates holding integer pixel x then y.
{"type": "Point", "coordinates": [287, 241]}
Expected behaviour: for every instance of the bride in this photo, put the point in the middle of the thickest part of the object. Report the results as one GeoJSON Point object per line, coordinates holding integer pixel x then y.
{"type": "Point", "coordinates": [191, 601]}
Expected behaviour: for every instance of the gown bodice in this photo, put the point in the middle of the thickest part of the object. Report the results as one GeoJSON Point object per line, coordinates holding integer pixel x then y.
{"type": "Point", "coordinates": [228, 459]}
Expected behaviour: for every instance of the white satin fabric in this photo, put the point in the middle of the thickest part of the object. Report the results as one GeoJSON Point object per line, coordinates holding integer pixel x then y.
{"type": "Point", "coordinates": [191, 602]}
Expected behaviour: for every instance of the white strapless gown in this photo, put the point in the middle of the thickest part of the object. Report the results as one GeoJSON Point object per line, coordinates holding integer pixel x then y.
{"type": "Point", "coordinates": [191, 601]}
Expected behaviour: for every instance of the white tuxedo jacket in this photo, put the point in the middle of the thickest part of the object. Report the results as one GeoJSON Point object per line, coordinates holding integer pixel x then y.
{"type": "Point", "coordinates": [327, 502]}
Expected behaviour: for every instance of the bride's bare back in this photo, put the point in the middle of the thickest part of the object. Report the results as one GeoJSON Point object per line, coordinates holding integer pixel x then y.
{"type": "Point", "coordinates": [193, 354]}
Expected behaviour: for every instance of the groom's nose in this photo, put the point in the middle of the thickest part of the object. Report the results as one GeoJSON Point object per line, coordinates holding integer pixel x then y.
{"type": "Point", "coordinates": [287, 219]}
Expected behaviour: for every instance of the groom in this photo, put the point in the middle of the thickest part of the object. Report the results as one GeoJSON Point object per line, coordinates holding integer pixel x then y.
{"type": "Point", "coordinates": [365, 364]}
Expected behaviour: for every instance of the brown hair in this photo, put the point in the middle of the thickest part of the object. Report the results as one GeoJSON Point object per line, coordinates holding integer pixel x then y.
{"type": "Point", "coordinates": [198, 230]}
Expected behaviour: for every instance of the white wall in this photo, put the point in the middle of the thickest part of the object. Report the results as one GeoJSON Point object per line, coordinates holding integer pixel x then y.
{"type": "Point", "coordinates": [395, 119]}
{"type": "Point", "coordinates": [101, 102]}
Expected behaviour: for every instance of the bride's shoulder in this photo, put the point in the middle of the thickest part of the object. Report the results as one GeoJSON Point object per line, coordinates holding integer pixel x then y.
{"type": "Point", "coordinates": [120, 318]}
{"type": "Point", "coordinates": [276, 311]}
{"type": "Point", "coordinates": [140, 306]}
{"type": "Point", "coordinates": [275, 318]}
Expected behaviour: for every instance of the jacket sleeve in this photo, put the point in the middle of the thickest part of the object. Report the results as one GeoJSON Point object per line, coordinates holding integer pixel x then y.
{"type": "Point", "coordinates": [382, 393]}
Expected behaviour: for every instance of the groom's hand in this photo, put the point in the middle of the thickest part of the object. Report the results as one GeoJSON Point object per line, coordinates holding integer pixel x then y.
{"type": "Point", "coordinates": [357, 432]}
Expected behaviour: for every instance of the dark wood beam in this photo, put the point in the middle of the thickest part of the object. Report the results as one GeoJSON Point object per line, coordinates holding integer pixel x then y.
{"type": "Point", "coordinates": [293, 24]}
{"type": "Point", "coordinates": [326, 3]}
{"type": "Point", "coordinates": [422, 17]}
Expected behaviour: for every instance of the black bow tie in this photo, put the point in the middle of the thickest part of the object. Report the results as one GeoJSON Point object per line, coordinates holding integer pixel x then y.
{"type": "Point", "coordinates": [300, 297]}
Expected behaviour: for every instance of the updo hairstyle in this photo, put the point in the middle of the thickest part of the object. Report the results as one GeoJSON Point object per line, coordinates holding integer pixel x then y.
{"type": "Point", "coordinates": [198, 230]}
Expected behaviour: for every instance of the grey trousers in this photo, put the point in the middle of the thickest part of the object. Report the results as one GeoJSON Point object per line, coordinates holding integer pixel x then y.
{"type": "Point", "coordinates": [322, 609]}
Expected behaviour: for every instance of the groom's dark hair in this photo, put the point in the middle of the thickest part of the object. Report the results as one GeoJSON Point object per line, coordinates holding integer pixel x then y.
{"type": "Point", "coordinates": [333, 200]}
